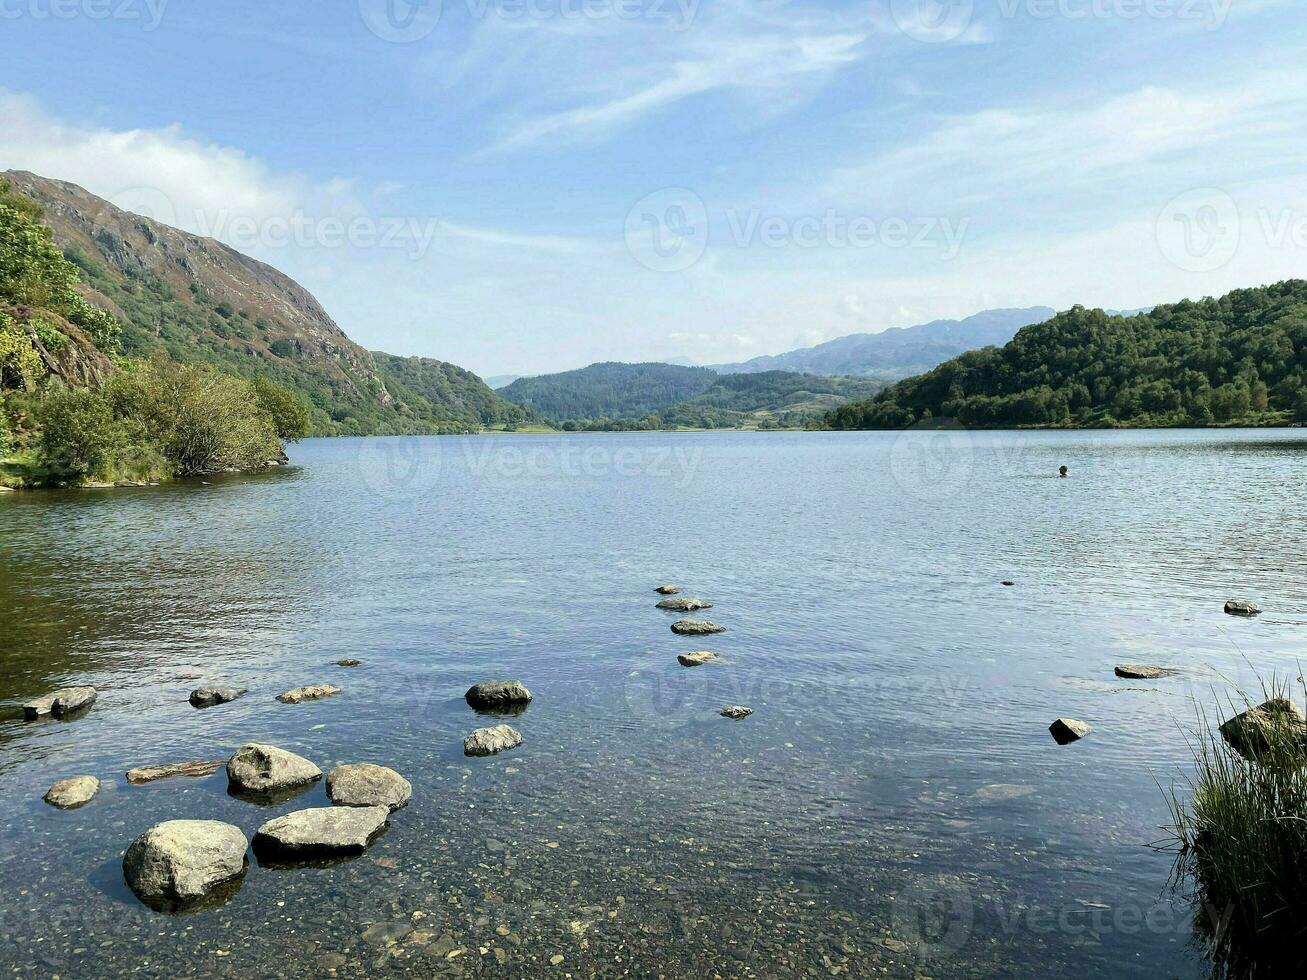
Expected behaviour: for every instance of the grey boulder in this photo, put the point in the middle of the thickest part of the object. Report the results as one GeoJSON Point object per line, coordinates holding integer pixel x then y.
{"type": "Point", "coordinates": [207, 697]}
{"type": "Point", "coordinates": [736, 711]}
{"type": "Point", "coordinates": [321, 832]}
{"type": "Point", "coordinates": [488, 741]}
{"type": "Point", "coordinates": [1141, 672]}
{"type": "Point", "coordinates": [696, 659]}
{"type": "Point", "coordinates": [1067, 730]}
{"type": "Point", "coordinates": [1275, 723]}
{"type": "Point", "coordinates": [314, 692]}
{"type": "Point", "coordinates": [668, 589]}
{"type": "Point", "coordinates": [180, 861]}
{"type": "Point", "coordinates": [1242, 607]}
{"type": "Point", "coordinates": [684, 605]}
{"type": "Point", "coordinates": [497, 694]}
{"type": "Point", "coordinates": [60, 703]}
{"type": "Point", "coordinates": [257, 768]}
{"type": "Point", "coordinates": [696, 627]}
{"type": "Point", "coordinates": [68, 794]}
{"type": "Point", "coordinates": [365, 784]}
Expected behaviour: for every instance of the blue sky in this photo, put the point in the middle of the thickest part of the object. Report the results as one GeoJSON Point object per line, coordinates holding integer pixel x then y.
{"type": "Point", "coordinates": [531, 185]}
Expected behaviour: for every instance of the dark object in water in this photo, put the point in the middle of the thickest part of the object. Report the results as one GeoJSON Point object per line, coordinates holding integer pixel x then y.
{"type": "Point", "coordinates": [1007, 582]}
{"type": "Point", "coordinates": [1068, 730]}
{"type": "Point", "coordinates": [1062, 471]}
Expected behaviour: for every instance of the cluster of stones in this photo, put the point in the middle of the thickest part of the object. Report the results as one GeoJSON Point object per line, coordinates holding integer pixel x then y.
{"type": "Point", "coordinates": [695, 627]}
{"type": "Point", "coordinates": [495, 696]}
{"type": "Point", "coordinates": [1245, 732]}
{"type": "Point", "coordinates": [179, 862]}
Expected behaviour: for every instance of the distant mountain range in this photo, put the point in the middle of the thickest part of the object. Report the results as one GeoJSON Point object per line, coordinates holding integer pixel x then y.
{"type": "Point", "coordinates": [898, 352]}
{"type": "Point", "coordinates": [197, 300]}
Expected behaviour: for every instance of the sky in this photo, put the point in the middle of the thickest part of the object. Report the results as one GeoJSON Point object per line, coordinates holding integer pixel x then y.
{"type": "Point", "coordinates": [524, 186]}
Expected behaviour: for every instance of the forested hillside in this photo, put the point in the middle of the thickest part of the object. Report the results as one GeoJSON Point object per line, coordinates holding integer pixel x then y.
{"type": "Point", "coordinates": [1241, 358]}
{"type": "Point", "coordinates": [609, 390]}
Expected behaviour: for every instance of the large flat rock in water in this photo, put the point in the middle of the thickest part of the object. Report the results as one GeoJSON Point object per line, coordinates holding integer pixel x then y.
{"type": "Point", "coordinates": [322, 832]}
{"type": "Point", "coordinates": [314, 692]}
{"type": "Point", "coordinates": [1142, 672]}
{"type": "Point", "coordinates": [63, 702]}
{"type": "Point", "coordinates": [193, 768]}
{"type": "Point", "coordinates": [181, 861]}
{"type": "Point", "coordinates": [684, 605]}
{"type": "Point", "coordinates": [365, 784]}
{"type": "Point", "coordinates": [696, 627]}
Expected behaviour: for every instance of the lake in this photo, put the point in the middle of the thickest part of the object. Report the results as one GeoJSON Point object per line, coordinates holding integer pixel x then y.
{"type": "Point", "coordinates": [895, 804]}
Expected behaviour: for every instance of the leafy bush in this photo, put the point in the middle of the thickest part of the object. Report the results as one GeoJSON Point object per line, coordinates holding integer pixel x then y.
{"type": "Point", "coordinates": [287, 410]}
{"type": "Point", "coordinates": [203, 421]}
{"type": "Point", "coordinates": [20, 365]}
{"type": "Point", "coordinates": [51, 338]}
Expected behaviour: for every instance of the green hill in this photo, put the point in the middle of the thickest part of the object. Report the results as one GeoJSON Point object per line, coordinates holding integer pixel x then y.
{"type": "Point", "coordinates": [767, 398]}
{"type": "Point", "coordinates": [196, 300]}
{"type": "Point", "coordinates": [609, 390]}
{"type": "Point", "coordinates": [1239, 359]}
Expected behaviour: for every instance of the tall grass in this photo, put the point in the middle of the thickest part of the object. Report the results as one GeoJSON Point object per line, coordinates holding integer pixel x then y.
{"type": "Point", "coordinates": [1240, 823]}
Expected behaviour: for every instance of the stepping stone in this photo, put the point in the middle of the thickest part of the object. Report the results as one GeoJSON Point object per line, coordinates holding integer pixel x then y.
{"type": "Point", "coordinates": [696, 659]}
{"type": "Point", "coordinates": [364, 784]}
{"type": "Point", "coordinates": [151, 774]}
{"type": "Point", "coordinates": [315, 692]}
{"type": "Point", "coordinates": [321, 832]}
{"type": "Point", "coordinates": [69, 794]}
{"type": "Point", "coordinates": [1067, 730]}
{"type": "Point", "coordinates": [736, 711]}
{"type": "Point", "coordinates": [696, 627]}
{"type": "Point", "coordinates": [207, 697]}
{"type": "Point", "coordinates": [488, 741]}
{"type": "Point", "coordinates": [60, 703]}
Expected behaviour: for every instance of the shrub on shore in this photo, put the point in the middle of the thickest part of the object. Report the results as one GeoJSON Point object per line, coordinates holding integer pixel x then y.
{"type": "Point", "coordinates": [1241, 829]}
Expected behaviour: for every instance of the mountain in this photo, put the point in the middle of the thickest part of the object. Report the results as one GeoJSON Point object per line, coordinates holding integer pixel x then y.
{"type": "Point", "coordinates": [609, 390]}
{"type": "Point", "coordinates": [498, 381]}
{"type": "Point", "coordinates": [898, 352]}
{"type": "Point", "coordinates": [199, 301]}
{"type": "Point", "coordinates": [1239, 359]}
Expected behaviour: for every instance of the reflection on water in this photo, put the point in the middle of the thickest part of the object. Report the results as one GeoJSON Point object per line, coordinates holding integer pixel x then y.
{"type": "Point", "coordinates": [893, 806]}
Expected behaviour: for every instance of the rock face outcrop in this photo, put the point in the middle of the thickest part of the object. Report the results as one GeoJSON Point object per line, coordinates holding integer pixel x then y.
{"type": "Point", "coordinates": [736, 711]}
{"type": "Point", "coordinates": [497, 694]}
{"type": "Point", "coordinates": [668, 589]}
{"type": "Point", "coordinates": [1142, 672]}
{"type": "Point", "coordinates": [684, 605]}
{"type": "Point", "coordinates": [69, 794]}
{"type": "Point", "coordinates": [488, 741]}
{"type": "Point", "coordinates": [1242, 607]}
{"type": "Point", "coordinates": [60, 703]}
{"type": "Point", "coordinates": [181, 861]}
{"type": "Point", "coordinates": [696, 627]}
{"type": "Point", "coordinates": [1277, 722]}
{"type": "Point", "coordinates": [322, 832]}
{"type": "Point", "coordinates": [314, 692]}
{"type": "Point", "coordinates": [365, 784]}
{"type": "Point", "coordinates": [1067, 730]}
{"type": "Point", "coordinates": [207, 697]}
{"type": "Point", "coordinates": [696, 659]}
{"type": "Point", "coordinates": [262, 769]}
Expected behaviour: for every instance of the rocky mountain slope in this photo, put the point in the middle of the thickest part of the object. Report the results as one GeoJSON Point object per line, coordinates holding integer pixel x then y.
{"type": "Point", "coordinates": [196, 299]}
